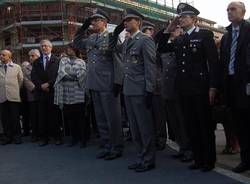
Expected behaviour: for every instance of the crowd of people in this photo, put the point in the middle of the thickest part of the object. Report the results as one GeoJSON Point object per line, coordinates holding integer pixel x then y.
{"type": "Point", "coordinates": [176, 83]}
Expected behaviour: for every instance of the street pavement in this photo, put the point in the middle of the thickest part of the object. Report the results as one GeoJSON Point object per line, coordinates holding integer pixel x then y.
{"type": "Point", "coordinates": [29, 164]}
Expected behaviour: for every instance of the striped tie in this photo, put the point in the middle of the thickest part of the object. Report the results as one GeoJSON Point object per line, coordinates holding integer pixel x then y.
{"type": "Point", "coordinates": [234, 43]}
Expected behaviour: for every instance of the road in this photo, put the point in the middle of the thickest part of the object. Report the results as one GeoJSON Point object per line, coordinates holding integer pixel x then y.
{"type": "Point", "coordinates": [30, 164]}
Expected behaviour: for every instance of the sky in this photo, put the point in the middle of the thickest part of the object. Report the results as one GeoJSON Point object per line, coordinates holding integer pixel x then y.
{"type": "Point", "coordinates": [216, 10]}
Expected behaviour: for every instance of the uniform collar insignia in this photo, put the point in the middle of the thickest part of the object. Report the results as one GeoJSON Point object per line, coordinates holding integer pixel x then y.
{"type": "Point", "coordinates": [197, 29]}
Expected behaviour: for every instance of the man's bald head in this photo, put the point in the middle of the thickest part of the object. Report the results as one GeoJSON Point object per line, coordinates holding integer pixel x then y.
{"type": "Point", "coordinates": [236, 11]}
{"type": "Point", "coordinates": [5, 56]}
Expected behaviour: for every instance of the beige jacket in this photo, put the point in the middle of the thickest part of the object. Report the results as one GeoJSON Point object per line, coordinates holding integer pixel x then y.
{"type": "Point", "coordinates": [10, 82]}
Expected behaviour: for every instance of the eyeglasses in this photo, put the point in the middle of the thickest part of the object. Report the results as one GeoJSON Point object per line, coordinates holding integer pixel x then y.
{"type": "Point", "coordinates": [231, 9]}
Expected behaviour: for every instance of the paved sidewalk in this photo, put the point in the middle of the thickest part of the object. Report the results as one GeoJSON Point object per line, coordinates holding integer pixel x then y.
{"type": "Point", "coordinates": [226, 161]}
{"type": "Point", "coordinates": [30, 164]}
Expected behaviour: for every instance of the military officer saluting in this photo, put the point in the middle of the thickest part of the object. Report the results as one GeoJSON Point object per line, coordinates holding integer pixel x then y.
{"type": "Point", "coordinates": [104, 82]}
{"type": "Point", "coordinates": [196, 83]}
{"type": "Point", "coordinates": [139, 65]}
{"type": "Point", "coordinates": [159, 113]}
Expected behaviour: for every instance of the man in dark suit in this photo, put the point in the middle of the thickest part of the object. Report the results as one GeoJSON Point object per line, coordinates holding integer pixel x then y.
{"type": "Point", "coordinates": [139, 66]}
{"type": "Point", "coordinates": [197, 83]}
{"type": "Point", "coordinates": [235, 60]}
{"type": "Point", "coordinates": [43, 75]}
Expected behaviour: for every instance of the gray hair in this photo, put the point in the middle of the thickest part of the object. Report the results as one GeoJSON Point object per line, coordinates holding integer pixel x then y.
{"type": "Point", "coordinates": [47, 42]}
{"type": "Point", "coordinates": [35, 51]}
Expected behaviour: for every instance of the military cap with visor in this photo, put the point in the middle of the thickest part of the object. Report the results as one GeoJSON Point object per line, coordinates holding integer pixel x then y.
{"type": "Point", "coordinates": [186, 9]}
{"type": "Point", "coordinates": [99, 13]}
{"type": "Point", "coordinates": [132, 13]}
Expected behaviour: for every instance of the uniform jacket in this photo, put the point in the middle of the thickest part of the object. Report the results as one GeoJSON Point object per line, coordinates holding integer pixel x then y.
{"type": "Point", "coordinates": [102, 71]}
{"type": "Point", "coordinates": [139, 65]}
{"type": "Point", "coordinates": [242, 63]}
{"type": "Point", "coordinates": [197, 63]}
{"type": "Point", "coordinates": [40, 76]}
{"type": "Point", "coordinates": [10, 82]}
{"type": "Point", "coordinates": [168, 76]}
{"type": "Point", "coordinates": [28, 84]}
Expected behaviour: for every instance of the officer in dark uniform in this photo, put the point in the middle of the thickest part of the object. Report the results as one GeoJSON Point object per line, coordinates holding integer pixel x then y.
{"type": "Point", "coordinates": [104, 82]}
{"type": "Point", "coordinates": [159, 113]}
{"type": "Point", "coordinates": [169, 94]}
{"type": "Point", "coordinates": [197, 83]}
{"type": "Point", "coordinates": [139, 67]}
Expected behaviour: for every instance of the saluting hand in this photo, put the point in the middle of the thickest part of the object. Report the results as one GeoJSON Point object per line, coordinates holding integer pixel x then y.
{"type": "Point", "coordinates": [172, 26]}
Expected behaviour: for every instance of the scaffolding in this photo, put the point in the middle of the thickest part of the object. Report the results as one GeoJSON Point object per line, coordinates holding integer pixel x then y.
{"type": "Point", "coordinates": [24, 23]}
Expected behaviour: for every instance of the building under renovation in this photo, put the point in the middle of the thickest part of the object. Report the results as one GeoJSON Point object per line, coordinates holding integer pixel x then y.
{"type": "Point", "coordinates": [23, 23]}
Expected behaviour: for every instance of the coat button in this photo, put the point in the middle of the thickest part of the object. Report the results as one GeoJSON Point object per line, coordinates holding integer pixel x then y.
{"type": "Point", "coordinates": [126, 67]}
{"type": "Point", "coordinates": [183, 62]}
{"type": "Point", "coordinates": [166, 70]}
{"type": "Point", "coordinates": [182, 70]}
{"type": "Point", "coordinates": [183, 54]}
{"type": "Point", "coordinates": [184, 47]}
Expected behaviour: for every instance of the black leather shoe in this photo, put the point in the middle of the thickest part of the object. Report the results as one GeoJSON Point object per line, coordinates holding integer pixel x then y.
{"type": "Point", "coordinates": [102, 154]}
{"type": "Point", "coordinates": [6, 141]}
{"type": "Point", "coordinates": [242, 167]}
{"type": "Point", "coordinates": [145, 167]}
{"type": "Point", "coordinates": [178, 155]}
{"type": "Point", "coordinates": [160, 147]}
{"type": "Point", "coordinates": [18, 141]}
{"type": "Point", "coordinates": [195, 166]}
{"type": "Point", "coordinates": [134, 166]}
{"type": "Point", "coordinates": [113, 155]}
{"type": "Point", "coordinates": [206, 168]}
{"type": "Point", "coordinates": [83, 145]}
{"type": "Point", "coordinates": [58, 142]}
{"type": "Point", "coordinates": [43, 143]}
{"type": "Point", "coordinates": [34, 139]}
{"type": "Point", "coordinates": [186, 158]}
{"type": "Point", "coordinates": [72, 143]}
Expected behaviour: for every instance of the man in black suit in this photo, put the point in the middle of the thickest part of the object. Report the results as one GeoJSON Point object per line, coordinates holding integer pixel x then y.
{"type": "Point", "coordinates": [43, 75]}
{"type": "Point", "coordinates": [196, 83]}
{"type": "Point", "coordinates": [235, 60]}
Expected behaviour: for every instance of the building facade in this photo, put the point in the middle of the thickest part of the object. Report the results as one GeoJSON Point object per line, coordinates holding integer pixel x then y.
{"type": "Point", "coordinates": [23, 23]}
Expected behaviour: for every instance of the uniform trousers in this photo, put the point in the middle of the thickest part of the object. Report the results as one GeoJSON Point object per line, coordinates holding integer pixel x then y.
{"type": "Point", "coordinates": [142, 128]}
{"type": "Point", "coordinates": [107, 109]}
{"type": "Point", "coordinates": [200, 128]}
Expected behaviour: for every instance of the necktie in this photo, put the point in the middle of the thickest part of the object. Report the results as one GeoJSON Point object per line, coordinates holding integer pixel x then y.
{"type": "Point", "coordinates": [234, 43]}
{"type": "Point", "coordinates": [5, 68]}
{"type": "Point", "coordinates": [47, 61]}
